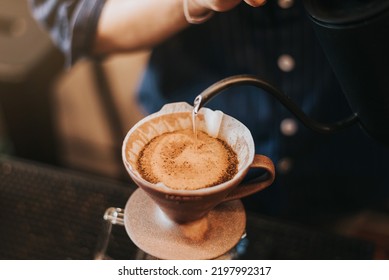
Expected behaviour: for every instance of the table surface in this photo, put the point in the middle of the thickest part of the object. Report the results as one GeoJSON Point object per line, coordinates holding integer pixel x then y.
{"type": "Point", "coordinates": [52, 213]}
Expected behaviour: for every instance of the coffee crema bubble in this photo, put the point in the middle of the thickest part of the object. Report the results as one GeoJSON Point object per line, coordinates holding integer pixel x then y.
{"type": "Point", "coordinates": [182, 162]}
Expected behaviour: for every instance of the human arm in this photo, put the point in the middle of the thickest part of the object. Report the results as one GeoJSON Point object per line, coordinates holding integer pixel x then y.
{"type": "Point", "coordinates": [71, 24]}
{"type": "Point", "coordinates": [85, 27]}
{"type": "Point", "coordinates": [131, 25]}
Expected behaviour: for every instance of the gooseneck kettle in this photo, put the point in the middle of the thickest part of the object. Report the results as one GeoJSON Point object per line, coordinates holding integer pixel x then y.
{"type": "Point", "coordinates": [353, 36]}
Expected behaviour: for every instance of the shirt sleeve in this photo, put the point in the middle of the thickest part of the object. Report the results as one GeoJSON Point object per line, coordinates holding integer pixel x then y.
{"type": "Point", "coordinates": [71, 24]}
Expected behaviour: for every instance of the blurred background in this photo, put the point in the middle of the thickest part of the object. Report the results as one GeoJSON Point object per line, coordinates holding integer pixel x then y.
{"type": "Point", "coordinates": [74, 117]}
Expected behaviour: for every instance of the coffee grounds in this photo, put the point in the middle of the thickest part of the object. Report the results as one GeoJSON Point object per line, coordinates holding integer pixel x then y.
{"type": "Point", "coordinates": [180, 162]}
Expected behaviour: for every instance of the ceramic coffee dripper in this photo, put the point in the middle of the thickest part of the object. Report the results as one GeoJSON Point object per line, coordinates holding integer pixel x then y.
{"type": "Point", "coordinates": [190, 224]}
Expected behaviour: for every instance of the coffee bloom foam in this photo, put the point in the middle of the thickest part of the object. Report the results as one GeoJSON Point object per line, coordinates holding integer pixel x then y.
{"type": "Point", "coordinates": [180, 161]}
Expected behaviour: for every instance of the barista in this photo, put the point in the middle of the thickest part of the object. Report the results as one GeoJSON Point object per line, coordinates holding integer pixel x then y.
{"type": "Point", "coordinates": [198, 42]}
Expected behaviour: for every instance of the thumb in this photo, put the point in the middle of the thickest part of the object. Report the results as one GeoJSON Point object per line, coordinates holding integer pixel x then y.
{"type": "Point", "coordinates": [255, 3]}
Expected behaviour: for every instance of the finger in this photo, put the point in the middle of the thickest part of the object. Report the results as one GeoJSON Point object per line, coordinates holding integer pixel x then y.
{"type": "Point", "coordinates": [255, 3]}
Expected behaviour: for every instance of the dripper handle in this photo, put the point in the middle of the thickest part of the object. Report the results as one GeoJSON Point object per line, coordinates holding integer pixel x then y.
{"type": "Point", "coordinates": [249, 188]}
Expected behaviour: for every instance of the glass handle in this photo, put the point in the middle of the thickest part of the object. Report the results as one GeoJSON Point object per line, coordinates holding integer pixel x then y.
{"type": "Point", "coordinates": [112, 216]}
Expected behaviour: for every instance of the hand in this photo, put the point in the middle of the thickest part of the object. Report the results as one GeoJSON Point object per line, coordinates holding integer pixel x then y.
{"type": "Point", "coordinates": [255, 3]}
{"type": "Point", "coordinates": [225, 5]}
